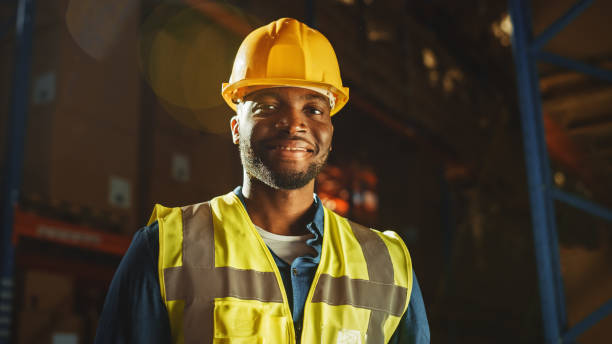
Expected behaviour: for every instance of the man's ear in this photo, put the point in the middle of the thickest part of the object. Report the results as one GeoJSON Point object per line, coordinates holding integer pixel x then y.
{"type": "Point", "coordinates": [234, 128]}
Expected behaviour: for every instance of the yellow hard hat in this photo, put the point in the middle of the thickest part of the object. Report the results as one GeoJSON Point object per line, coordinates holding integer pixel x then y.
{"type": "Point", "coordinates": [285, 52]}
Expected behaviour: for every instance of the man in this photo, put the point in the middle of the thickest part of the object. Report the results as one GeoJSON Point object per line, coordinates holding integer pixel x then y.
{"type": "Point", "coordinates": [268, 263]}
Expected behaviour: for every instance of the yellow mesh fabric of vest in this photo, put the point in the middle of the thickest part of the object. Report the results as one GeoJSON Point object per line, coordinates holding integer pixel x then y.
{"type": "Point", "coordinates": [326, 322]}
{"type": "Point", "coordinates": [402, 273]}
{"type": "Point", "coordinates": [170, 222]}
{"type": "Point", "coordinates": [235, 234]}
{"type": "Point", "coordinates": [238, 245]}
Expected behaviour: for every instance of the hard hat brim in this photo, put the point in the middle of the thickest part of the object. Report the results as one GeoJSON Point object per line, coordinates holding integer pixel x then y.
{"type": "Point", "coordinates": [233, 92]}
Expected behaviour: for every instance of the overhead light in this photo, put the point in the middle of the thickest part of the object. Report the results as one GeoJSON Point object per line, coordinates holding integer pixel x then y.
{"type": "Point", "coordinates": [559, 178]}
{"type": "Point", "coordinates": [378, 35]}
{"type": "Point", "coordinates": [429, 58]}
{"type": "Point", "coordinates": [502, 29]}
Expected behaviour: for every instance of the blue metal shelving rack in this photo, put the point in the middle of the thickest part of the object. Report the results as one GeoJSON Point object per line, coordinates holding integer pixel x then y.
{"type": "Point", "coordinates": [527, 52]}
{"type": "Point", "coordinates": [14, 159]}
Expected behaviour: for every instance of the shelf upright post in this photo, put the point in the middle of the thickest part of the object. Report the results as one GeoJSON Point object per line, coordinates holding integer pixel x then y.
{"type": "Point", "coordinates": [14, 159]}
{"type": "Point", "coordinates": [527, 51]}
{"type": "Point", "coordinates": [538, 174]}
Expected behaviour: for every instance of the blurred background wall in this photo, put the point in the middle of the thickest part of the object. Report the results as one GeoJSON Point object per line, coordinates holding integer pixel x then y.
{"type": "Point", "coordinates": [124, 111]}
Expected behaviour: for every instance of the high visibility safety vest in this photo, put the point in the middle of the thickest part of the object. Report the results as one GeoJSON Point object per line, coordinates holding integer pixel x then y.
{"type": "Point", "coordinates": [221, 284]}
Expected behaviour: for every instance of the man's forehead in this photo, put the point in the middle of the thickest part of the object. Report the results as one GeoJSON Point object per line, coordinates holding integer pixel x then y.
{"type": "Point", "coordinates": [284, 91]}
{"type": "Point", "coordinates": [278, 92]}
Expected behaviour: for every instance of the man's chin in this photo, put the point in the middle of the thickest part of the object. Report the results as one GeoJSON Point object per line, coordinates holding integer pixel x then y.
{"type": "Point", "coordinates": [279, 174]}
{"type": "Point", "coordinates": [289, 180]}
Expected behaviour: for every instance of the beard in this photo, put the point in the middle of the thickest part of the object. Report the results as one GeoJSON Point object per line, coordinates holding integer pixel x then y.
{"type": "Point", "coordinates": [284, 179]}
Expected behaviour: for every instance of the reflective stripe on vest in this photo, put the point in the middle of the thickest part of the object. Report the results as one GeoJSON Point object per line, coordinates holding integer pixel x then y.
{"type": "Point", "coordinates": [378, 294]}
{"type": "Point", "coordinates": [219, 281]}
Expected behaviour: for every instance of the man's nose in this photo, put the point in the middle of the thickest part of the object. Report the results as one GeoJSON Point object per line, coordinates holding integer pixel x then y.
{"type": "Point", "coordinates": [291, 121]}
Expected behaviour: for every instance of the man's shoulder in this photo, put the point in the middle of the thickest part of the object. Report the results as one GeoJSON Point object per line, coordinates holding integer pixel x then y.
{"type": "Point", "coordinates": [161, 211]}
{"type": "Point", "coordinates": [148, 235]}
{"type": "Point", "coordinates": [356, 226]}
{"type": "Point", "coordinates": [228, 195]}
{"type": "Point", "coordinates": [151, 230]}
{"type": "Point", "coordinates": [369, 236]}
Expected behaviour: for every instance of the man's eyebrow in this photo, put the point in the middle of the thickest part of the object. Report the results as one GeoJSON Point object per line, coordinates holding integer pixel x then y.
{"type": "Point", "coordinates": [317, 96]}
{"type": "Point", "coordinates": [310, 96]}
{"type": "Point", "coordinates": [261, 94]}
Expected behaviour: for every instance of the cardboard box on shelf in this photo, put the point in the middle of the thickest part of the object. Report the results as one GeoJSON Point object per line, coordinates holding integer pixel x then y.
{"type": "Point", "coordinates": [83, 123]}
{"type": "Point", "coordinates": [83, 138]}
{"type": "Point", "coordinates": [48, 327]}
{"type": "Point", "coordinates": [44, 291]}
{"type": "Point", "coordinates": [190, 166]}
{"type": "Point", "coordinates": [193, 169]}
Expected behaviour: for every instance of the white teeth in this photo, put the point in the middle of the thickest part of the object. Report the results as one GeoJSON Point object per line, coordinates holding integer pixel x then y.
{"type": "Point", "coordinates": [292, 148]}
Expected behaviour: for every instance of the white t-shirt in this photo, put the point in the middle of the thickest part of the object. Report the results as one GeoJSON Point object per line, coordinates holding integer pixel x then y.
{"type": "Point", "coordinates": [287, 247]}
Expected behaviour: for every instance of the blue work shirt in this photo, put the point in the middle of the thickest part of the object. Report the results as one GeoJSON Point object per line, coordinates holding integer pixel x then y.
{"type": "Point", "coordinates": [134, 311]}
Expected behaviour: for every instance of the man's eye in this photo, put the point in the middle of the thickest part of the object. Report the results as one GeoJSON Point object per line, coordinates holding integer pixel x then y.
{"type": "Point", "coordinates": [311, 110]}
{"type": "Point", "coordinates": [265, 108]}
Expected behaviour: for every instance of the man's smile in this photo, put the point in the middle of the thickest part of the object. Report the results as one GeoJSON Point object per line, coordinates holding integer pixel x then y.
{"type": "Point", "coordinates": [293, 149]}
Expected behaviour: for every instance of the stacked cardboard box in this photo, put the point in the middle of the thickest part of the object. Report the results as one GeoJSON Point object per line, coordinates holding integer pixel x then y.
{"type": "Point", "coordinates": [192, 154]}
{"type": "Point", "coordinates": [46, 311]}
{"type": "Point", "coordinates": [84, 146]}
{"type": "Point", "coordinates": [83, 124]}
{"type": "Point", "coordinates": [191, 166]}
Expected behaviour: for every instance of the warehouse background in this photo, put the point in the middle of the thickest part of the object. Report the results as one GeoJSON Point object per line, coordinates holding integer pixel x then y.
{"type": "Point", "coordinates": [124, 111]}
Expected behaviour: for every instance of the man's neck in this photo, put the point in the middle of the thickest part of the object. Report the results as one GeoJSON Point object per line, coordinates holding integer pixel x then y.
{"type": "Point", "coordinates": [280, 211]}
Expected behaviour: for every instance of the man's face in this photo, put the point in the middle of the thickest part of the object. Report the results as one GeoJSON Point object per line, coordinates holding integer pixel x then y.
{"type": "Point", "coordinates": [284, 135]}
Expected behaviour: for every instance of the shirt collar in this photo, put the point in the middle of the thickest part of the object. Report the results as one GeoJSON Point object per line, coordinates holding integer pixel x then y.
{"type": "Point", "coordinates": [315, 226]}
